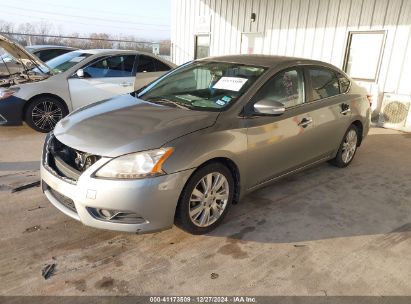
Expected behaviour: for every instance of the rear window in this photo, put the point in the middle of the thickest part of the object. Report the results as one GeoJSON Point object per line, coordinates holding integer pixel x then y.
{"type": "Point", "coordinates": [324, 83]}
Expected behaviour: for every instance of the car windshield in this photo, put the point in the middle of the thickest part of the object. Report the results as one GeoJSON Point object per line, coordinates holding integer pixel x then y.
{"type": "Point", "coordinates": [64, 62]}
{"type": "Point", "coordinates": [203, 85]}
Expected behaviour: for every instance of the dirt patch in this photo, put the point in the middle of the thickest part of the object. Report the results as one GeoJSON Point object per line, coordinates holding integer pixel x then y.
{"type": "Point", "coordinates": [232, 247]}
{"type": "Point", "coordinates": [79, 285]}
{"type": "Point", "coordinates": [234, 250]}
{"type": "Point", "coordinates": [112, 285]}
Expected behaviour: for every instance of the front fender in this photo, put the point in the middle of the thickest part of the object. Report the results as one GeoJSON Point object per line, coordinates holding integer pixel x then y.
{"type": "Point", "coordinates": [197, 148]}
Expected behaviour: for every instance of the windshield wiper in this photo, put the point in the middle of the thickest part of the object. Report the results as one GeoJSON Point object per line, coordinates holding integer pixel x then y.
{"type": "Point", "coordinates": [164, 101]}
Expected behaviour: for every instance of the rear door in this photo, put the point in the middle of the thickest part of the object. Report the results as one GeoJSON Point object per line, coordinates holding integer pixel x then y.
{"type": "Point", "coordinates": [105, 78]}
{"type": "Point", "coordinates": [330, 107]}
{"type": "Point", "coordinates": [148, 69]}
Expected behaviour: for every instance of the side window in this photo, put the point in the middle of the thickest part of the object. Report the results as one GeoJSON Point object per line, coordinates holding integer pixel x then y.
{"type": "Point", "coordinates": [286, 87]}
{"type": "Point", "coordinates": [161, 67]}
{"type": "Point", "coordinates": [324, 83]}
{"type": "Point", "coordinates": [146, 64]}
{"type": "Point", "coordinates": [344, 83]}
{"type": "Point", "coordinates": [42, 55]}
{"type": "Point", "coordinates": [48, 54]}
{"type": "Point", "coordinates": [115, 66]}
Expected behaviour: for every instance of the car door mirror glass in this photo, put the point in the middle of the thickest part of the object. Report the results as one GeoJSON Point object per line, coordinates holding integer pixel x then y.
{"type": "Point", "coordinates": [80, 73]}
{"type": "Point", "coordinates": [269, 107]}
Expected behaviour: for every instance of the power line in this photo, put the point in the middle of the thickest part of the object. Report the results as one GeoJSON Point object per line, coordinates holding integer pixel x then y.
{"type": "Point", "coordinates": [95, 10]}
{"type": "Point", "coordinates": [97, 25]}
{"type": "Point", "coordinates": [85, 17]}
{"type": "Point", "coordinates": [74, 37]}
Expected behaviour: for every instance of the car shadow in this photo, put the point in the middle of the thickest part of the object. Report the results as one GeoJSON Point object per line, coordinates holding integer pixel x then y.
{"type": "Point", "coordinates": [371, 196]}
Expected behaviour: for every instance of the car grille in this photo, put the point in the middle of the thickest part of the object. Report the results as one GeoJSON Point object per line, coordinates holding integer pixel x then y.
{"type": "Point", "coordinates": [65, 161]}
{"type": "Point", "coordinates": [62, 199]}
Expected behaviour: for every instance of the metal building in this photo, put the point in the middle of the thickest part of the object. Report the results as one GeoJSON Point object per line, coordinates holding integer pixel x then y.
{"type": "Point", "coordinates": [369, 39]}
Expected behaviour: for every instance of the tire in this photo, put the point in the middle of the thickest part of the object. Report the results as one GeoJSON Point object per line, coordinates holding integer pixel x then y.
{"type": "Point", "coordinates": [347, 149]}
{"type": "Point", "coordinates": [43, 113]}
{"type": "Point", "coordinates": [202, 201]}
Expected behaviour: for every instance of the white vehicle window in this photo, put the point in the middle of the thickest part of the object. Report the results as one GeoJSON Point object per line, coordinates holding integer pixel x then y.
{"type": "Point", "coordinates": [115, 66]}
{"type": "Point", "coordinates": [64, 62]}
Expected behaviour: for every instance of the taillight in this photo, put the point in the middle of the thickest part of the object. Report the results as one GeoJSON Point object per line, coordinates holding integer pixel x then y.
{"type": "Point", "coordinates": [369, 97]}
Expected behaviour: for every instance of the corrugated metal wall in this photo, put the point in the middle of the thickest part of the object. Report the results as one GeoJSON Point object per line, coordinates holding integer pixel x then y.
{"type": "Point", "coordinates": [316, 29]}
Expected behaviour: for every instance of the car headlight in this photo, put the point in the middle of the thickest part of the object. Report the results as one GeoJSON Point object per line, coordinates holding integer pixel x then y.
{"type": "Point", "coordinates": [136, 165]}
{"type": "Point", "coordinates": [4, 93]}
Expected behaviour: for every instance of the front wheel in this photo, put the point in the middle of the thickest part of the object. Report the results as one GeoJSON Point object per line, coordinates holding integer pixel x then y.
{"type": "Point", "coordinates": [347, 148]}
{"type": "Point", "coordinates": [44, 112]}
{"type": "Point", "coordinates": [205, 199]}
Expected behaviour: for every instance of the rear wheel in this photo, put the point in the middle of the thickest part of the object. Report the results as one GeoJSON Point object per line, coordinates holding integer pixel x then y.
{"type": "Point", "coordinates": [347, 148]}
{"type": "Point", "coordinates": [205, 199]}
{"type": "Point", "coordinates": [44, 112]}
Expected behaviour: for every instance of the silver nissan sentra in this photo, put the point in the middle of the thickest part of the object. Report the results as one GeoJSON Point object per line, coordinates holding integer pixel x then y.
{"type": "Point", "coordinates": [189, 145]}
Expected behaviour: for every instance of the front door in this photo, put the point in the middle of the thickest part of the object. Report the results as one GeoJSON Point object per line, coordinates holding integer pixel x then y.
{"type": "Point", "coordinates": [106, 78]}
{"type": "Point", "coordinates": [278, 144]}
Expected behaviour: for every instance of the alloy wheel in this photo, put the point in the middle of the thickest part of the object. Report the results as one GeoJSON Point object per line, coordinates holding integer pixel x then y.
{"type": "Point", "coordinates": [46, 114]}
{"type": "Point", "coordinates": [209, 199]}
{"type": "Point", "coordinates": [349, 146]}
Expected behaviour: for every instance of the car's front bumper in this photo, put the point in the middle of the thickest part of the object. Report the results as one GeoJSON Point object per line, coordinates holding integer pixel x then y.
{"type": "Point", "coordinates": [153, 199]}
{"type": "Point", "coordinates": [11, 111]}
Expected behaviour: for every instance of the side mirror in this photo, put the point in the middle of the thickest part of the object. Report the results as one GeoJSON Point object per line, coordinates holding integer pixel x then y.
{"type": "Point", "coordinates": [80, 73]}
{"type": "Point", "coordinates": [269, 107]}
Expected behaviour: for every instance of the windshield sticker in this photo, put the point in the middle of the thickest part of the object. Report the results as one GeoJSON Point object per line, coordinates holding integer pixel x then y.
{"type": "Point", "coordinates": [77, 59]}
{"type": "Point", "coordinates": [230, 83]}
{"type": "Point", "coordinates": [220, 102]}
{"type": "Point", "coordinates": [226, 98]}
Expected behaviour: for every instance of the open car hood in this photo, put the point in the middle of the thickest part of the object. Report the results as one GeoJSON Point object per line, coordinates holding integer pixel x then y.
{"type": "Point", "coordinates": [21, 54]}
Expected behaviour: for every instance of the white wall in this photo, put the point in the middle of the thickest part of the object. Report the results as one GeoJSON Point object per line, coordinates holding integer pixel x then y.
{"type": "Point", "coordinates": [316, 29]}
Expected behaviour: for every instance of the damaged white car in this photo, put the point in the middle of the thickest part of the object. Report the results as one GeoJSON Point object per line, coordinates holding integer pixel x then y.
{"type": "Point", "coordinates": [43, 93]}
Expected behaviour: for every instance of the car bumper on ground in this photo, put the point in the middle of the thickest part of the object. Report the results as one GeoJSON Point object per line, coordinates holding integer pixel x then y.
{"type": "Point", "coordinates": [11, 111]}
{"type": "Point", "coordinates": [152, 201]}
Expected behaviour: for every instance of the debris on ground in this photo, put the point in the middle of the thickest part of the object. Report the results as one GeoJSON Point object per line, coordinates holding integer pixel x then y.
{"type": "Point", "coordinates": [26, 186]}
{"type": "Point", "coordinates": [48, 271]}
{"type": "Point", "coordinates": [299, 245]}
{"type": "Point", "coordinates": [214, 276]}
{"type": "Point", "coordinates": [38, 207]}
{"type": "Point", "coordinates": [32, 229]}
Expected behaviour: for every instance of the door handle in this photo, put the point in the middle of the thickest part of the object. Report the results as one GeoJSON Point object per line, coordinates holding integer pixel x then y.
{"type": "Point", "coordinates": [305, 122]}
{"type": "Point", "coordinates": [345, 109]}
{"type": "Point", "coordinates": [126, 84]}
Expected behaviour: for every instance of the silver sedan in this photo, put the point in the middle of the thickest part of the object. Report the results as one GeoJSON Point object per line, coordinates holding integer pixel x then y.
{"type": "Point", "coordinates": [198, 139]}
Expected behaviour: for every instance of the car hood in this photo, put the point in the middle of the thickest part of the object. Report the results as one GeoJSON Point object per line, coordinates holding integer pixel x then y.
{"type": "Point", "coordinates": [20, 53]}
{"type": "Point", "coordinates": [126, 124]}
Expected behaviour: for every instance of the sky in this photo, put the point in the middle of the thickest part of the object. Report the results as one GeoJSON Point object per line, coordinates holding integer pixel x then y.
{"type": "Point", "coordinates": [148, 19]}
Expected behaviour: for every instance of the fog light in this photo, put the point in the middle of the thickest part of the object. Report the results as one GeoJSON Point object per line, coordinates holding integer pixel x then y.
{"type": "Point", "coordinates": [116, 216]}
{"type": "Point", "coordinates": [106, 213]}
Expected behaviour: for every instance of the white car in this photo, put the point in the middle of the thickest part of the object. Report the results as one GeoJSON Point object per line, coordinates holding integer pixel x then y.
{"type": "Point", "coordinates": [45, 93]}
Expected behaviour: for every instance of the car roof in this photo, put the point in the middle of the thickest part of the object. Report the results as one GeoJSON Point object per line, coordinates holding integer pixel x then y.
{"type": "Point", "coordinates": [268, 61]}
{"type": "Point", "coordinates": [50, 46]}
{"type": "Point", "coordinates": [113, 51]}
{"type": "Point", "coordinates": [117, 51]}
